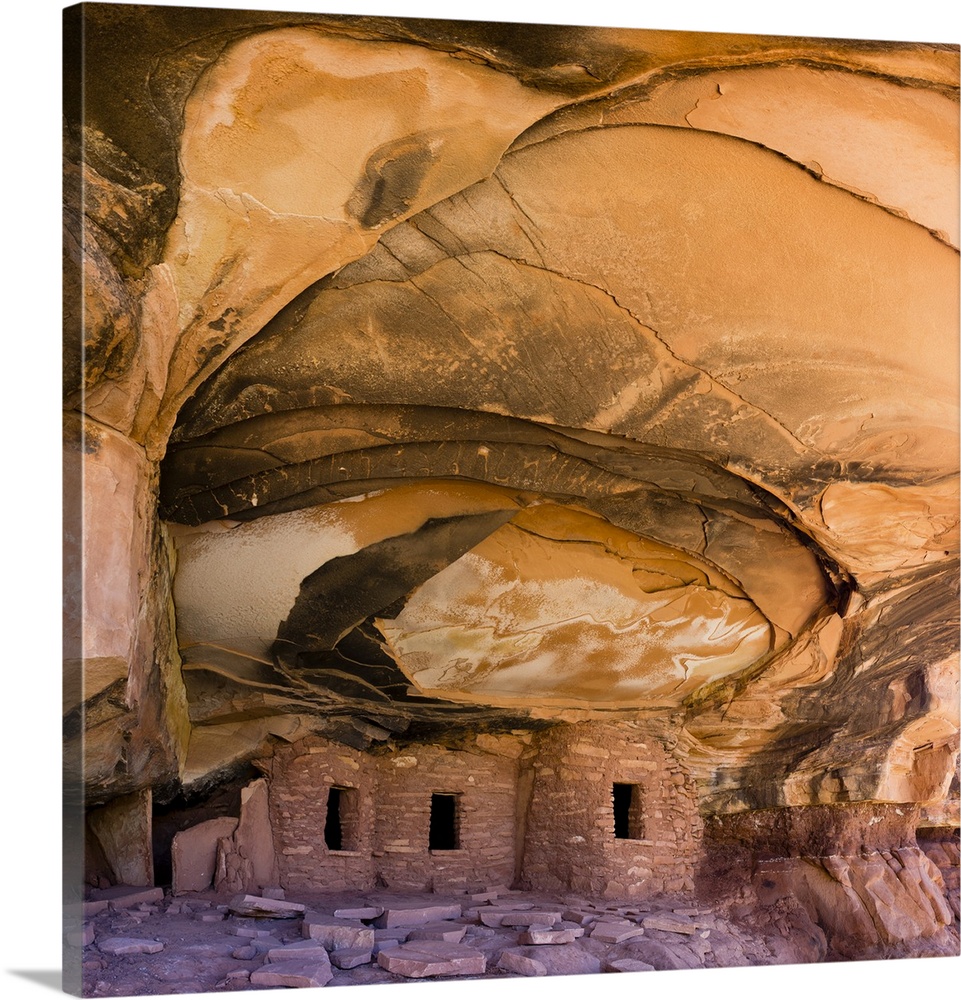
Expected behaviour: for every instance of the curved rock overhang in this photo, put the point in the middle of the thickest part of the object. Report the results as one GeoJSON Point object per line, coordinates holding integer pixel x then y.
{"type": "Point", "coordinates": [507, 375]}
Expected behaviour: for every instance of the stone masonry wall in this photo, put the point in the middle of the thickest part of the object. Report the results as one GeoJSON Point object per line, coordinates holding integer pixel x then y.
{"type": "Point", "coordinates": [300, 781]}
{"type": "Point", "coordinates": [389, 817]}
{"type": "Point", "coordinates": [570, 842]}
{"type": "Point", "coordinates": [485, 788]}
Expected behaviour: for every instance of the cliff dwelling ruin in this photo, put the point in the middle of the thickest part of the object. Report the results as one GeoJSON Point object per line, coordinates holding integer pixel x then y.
{"type": "Point", "coordinates": [520, 478]}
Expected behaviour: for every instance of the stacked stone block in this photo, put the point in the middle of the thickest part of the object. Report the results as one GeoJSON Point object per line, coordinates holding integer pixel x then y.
{"type": "Point", "coordinates": [485, 787]}
{"type": "Point", "coordinates": [536, 808]}
{"type": "Point", "coordinates": [301, 778]}
{"type": "Point", "coordinates": [570, 842]}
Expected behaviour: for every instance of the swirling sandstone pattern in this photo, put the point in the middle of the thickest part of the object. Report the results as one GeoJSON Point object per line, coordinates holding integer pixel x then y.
{"type": "Point", "coordinates": [443, 382]}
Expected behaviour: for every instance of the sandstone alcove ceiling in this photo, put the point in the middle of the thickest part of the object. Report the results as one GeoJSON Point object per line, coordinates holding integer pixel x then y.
{"type": "Point", "coordinates": [462, 396]}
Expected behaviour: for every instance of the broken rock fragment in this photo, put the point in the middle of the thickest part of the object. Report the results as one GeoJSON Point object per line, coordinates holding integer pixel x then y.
{"type": "Point", "coordinates": [194, 853]}
{"type": "Point", "coordinates": [433, 958]}
{"type": "Point", "coordinates": [258, 906]}
{"type": "Point", "coordinates": [439, 931]}
{"type": "Point", "coordinates": [296, 973]}
{"type": "Point", "coordinates": [336, 934]}
{"type": "Point", "coordinates": [538, 935]}
{"type": "Point", "coordinates": [350, 958]}
{"type": "Point", "coordinates": [663, 922]}
{"type": "Point", "coordinates": [303, 950]}
{"type": "Point", "coordinates": [532, 918]}
{"type": "Point", "coordinates": [518, 962]}
{"type": "Point", "coordinates": [615, 933]}
{"type": "Point", "coordinates": [130, 946]}
{"type": "Point", "coordinates": [627, 965]}
{"type": "Point", "coordinates": [415, 916]}
{"type": "Point", "coordinates": [359, 912]}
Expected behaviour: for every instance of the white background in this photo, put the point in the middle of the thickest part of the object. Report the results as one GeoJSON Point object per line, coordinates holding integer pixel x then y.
{"type": "Point", "coordinates": [30, 691]}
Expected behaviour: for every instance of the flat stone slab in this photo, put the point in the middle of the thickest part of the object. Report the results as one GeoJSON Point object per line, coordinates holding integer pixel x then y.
{"type": "Point", "coordinates": [129, 946]}
{"type": "Point", "coordinates": [529, 918]}
{"type": "Point", "coordinates": [338, 933]}
{"type": "Point", "coordinates": [359, 912]}
{"type": "Point", "coordinates": [415, 916]}
{"type": "Point", "coordinates": [295, 973]}
{"type": "Point", "coordinates": [628, 965]}
{"type": "Point", "coordinates": [398, 934]}
{"type": "Point", "coordinates": [193, 853]}
{"type": "Point", "coordinates": [538, 935]}
{"type": "Point", "coordinates": [303, 951]}
{"type": "Point", "coordinates": [615, 933]}
{"type": "Point", "coordinates": [519, 963]}
{"type": "Point", "coordinates": [350, 958]}
{"type": "Point", "coordinates": [433, 958]}
{"type": "Point", "coordinates": [673, 924]}
{"type": "Point", "coordinates": [260, 906]}
{"type": "Point", "coordinates": [492, 916]}
{"type": "Point", "coordinates": [442, 930]}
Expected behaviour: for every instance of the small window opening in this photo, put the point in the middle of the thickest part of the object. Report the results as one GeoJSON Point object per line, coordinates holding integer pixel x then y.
{"type": "Point", "coordinates": [443, 823]}
{"type": "Point", "coordinates": [341, 822]}
{"type": "Point", "coordinates": [628, 822]}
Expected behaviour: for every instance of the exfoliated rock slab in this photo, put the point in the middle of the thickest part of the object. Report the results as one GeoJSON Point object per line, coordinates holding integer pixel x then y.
{"type": "Point", "coordinates": [491, 916]}
{"type": "Point", "coordinates": [628, 965]}
{"type": "Point", "coordinates": [433, 958]}
{"type": "Point", "coordinates": [615, 933]}
{"type": "Point", "coordinates": [539, 935]}
{"type": "Point", "coordinates": [359, 912]}
{"type": "Point", "coordinates": [350, 958]}
{"type": "Point", "coordinates": [415, 916]}
{"type": "Point", "coordinates": [259, 906]}
{"type": "Point", "coordinates": [531, 918]}
{"type": "Point", "coordinates": [519, 963]}
{"type": "Point", "coordinates": [663, 922]}
{"type": "Point", "coordinates": [398, 934]}
{"type": "Point", "coordinates": [304, 951]}
{"type": "Point", "coordinates": [296, 973]}
{"type": "Point", "coordinates": [442, 930]}
{"type": "Point", "coordinates": [129, 946]}
{"type": "Point", "coordinates": [193, 853]}
{"type": "Point", "coordinates": [337, 933]}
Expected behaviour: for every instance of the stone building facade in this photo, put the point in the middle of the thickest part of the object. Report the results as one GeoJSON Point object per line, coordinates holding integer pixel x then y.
{"type": "Point", "coordinates": [601, 809]}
